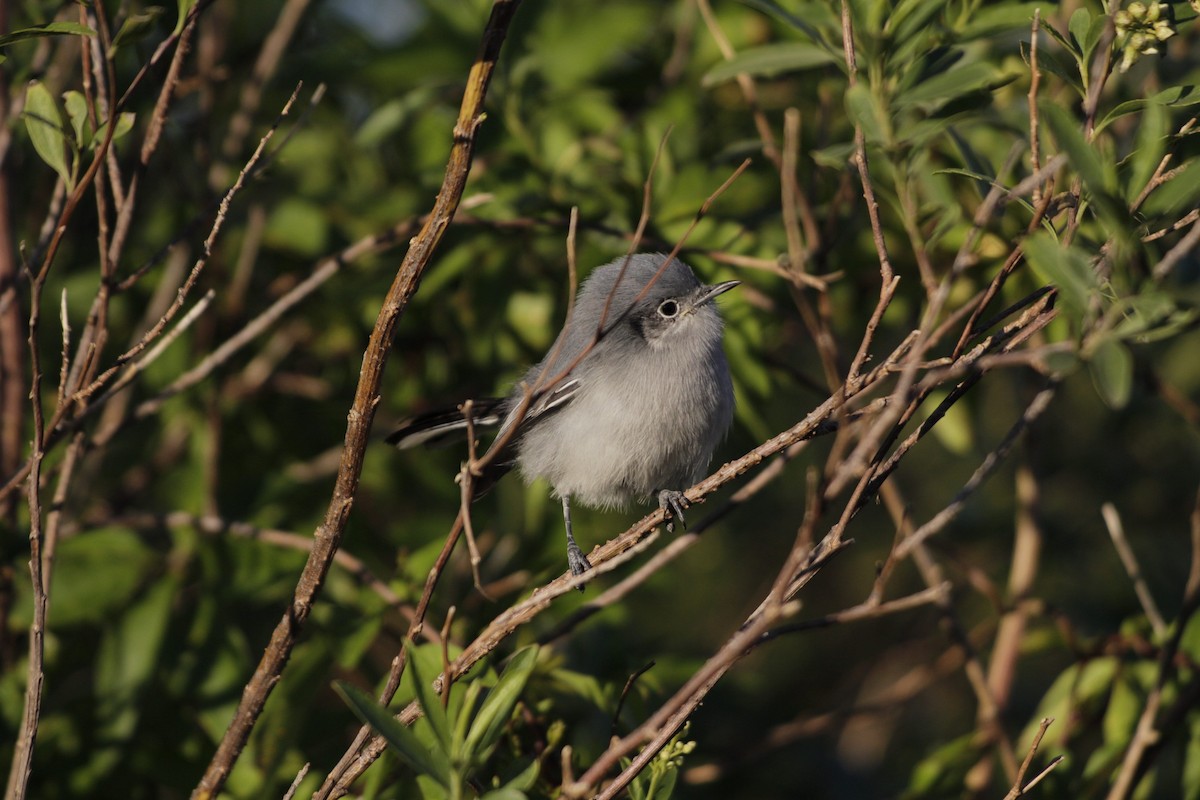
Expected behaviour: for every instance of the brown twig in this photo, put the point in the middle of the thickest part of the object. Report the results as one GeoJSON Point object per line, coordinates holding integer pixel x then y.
{"type": "Point", "coordinates": [21, 766]}
{"type": "Point", "coordinates": [1177, 253]}
{"type": "Point", "coordinates": [1017, 788]}
{"type": "Point", "coordinates": [1116, 531]}
{"type": "Point", "coordinates": [198, 267]}
{"type": "Point", "coordinates": [1151, 731]}
{"type": "Point", "coordinates": [684, 541]}
{"type": "Point", "coordinates": [860, 155]}
{"type": "Point", "coordinates": [616, 715]}
{"type": "Point", "coordinates": [1033, 410]}
{"type": "Point", "coordinates": [328, 536]}
{"type": "Point", "coordinates": [1035, 79]}
{"type": "Point", "coordinates": [445, 651]}
{"type": "Point", "coordinates": [300, 776]}
{"type": "Point", "coordinates": [273, 47]}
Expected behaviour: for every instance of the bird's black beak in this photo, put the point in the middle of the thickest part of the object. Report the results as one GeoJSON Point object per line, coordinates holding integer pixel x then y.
{"type": "Point", "coordinates": [707, 293]}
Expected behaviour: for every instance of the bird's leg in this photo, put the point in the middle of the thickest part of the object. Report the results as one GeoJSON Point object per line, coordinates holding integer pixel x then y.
{"type": "Point", "coordinates": [674, 503]}
{"type": "Point", "coordinates": [576, 560]}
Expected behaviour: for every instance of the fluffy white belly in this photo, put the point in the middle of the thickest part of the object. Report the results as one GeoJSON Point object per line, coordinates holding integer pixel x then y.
{"type": "Point", "coordinates": [607, 448]}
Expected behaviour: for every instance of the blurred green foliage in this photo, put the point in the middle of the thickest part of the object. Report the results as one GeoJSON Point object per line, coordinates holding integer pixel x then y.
{"type": "Point", "coordinates": [156, 621]}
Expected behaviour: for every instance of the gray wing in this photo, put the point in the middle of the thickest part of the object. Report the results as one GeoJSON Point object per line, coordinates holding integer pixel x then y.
{"type": "Point", "coordinates": [541, 406]}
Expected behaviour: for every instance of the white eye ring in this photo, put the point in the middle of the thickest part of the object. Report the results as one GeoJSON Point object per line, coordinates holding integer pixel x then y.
{"type": "Point", "coordinates": [668, 309]}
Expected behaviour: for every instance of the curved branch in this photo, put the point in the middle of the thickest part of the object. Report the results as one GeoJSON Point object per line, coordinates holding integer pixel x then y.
{"type": "Point", "coordinates": [328, 535]}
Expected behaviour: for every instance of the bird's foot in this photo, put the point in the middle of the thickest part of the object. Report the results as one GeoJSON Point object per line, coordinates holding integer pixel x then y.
{"type": "Point", "coordinates": [576, 560]}
{"type": "Point", "coordinates": [674, 503]}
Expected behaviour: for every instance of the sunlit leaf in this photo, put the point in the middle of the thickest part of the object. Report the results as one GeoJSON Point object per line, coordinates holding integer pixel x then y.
{"type": "Point", "coordinates": [768, 61]}
{"type": "Point", "coordinates": [49, 29]}
{"type": "Point", "coordinates": [77, 112]}
{"type": "Point", "coordinates": [944, 768]}
{"type": "Point", "coordinates": [498, 706]}
{"type": "Point", "coordinates": [864, 109]}
{"type": "Point", "coordinates": [183, 7]}
{"type": "Point", "coordinates": [995, 18]}
{"type": "Point", "coordinates": [1068, 44]}
{"type": "Point", "coordinates": [1078, 25]}
{"type": "Point", "coordinates": [430, 701]}
{"type": "Point", "coordinates": [1174, 97]}
{"type": "Point", "coordinates": [1067, 268]}
{"type": "Point", "coordinates": [406, 744]}
{"type": "Point", "coordinates": [909, 17]}
{"type": "Point", "coordinates": [1120, 717]}
{"type": "Point", "coordinates": [806, 18]}
{"type": "Point", "coordinates": [1049, 62]}
{"type": "Point", "coordinates": [1191, 760]}
{"type": "Point", "coordinates": [44, 123]}
{"type": "Point", "coordinates": [1151, 146]}
{"type": "Point", "coordinates": [1068, 132]}
{"type": "Point", "coordinates": [955, 82]}
{"type": "Point", "coordinates": [1180, 193]}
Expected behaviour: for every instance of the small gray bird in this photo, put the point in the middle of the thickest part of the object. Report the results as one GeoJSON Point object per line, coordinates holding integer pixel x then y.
{"type": "Point", "coordinates": [629, 403]}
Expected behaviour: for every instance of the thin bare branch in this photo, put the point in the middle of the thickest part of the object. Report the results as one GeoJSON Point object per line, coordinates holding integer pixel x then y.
{"type": "Point", "coordinates": [1018, 787]}
{"type": "Point", "coordinates": [1112, 521]}
{"type": "Point", "coordinates": [327, 538]}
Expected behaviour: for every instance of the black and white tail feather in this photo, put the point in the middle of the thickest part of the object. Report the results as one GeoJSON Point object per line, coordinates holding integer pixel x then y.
{"type": "Point", "coordinates": [442, 427]}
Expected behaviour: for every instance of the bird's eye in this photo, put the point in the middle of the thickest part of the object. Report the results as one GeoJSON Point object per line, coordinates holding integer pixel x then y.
{"type": "Point", "coordinates": [668, 309]}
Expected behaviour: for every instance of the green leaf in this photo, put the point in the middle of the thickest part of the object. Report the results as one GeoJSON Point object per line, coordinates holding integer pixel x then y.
{"type": "Point", "coordinates": [1121, 715]}
{"type": "Point", "coordinates": [1080, 23]}
{"type": "Point", "coordinates": [998, 17]}
{"type": "Point", "coordinates": [298, 226]}
{"type": "Point", "coordinates": [499, 705]}
{"type": "Point", "coordinates": [77, 112]}
{"type": "Point", "coordinates": [135, 28]}
{"type": "Point", "coordinates": [184, 8]}
{"type": "Point", "coordinates": [505, 793]}
{"type": "Point", "coordinates": [910, 18]}
{"type": "Point", "coordinates": [1049, 62]}
{"type": "Point", "coordinates": [126, 663]}
{"type": "Point", "coordinates": [1077, 688]}
{"type": "Point", "coordinates": [811, 12]}
{"type": "Point", "coordinates": [522, 779]}
{"type": "Point", "coordinates": [1061, 363]}
{"type": "Point", "coordinates": [1178, 194]}
{"type": "Point", "coordinates": [1140, 313]}
{"type": "Point", "coordinates": [1151, 145]}
{"type": "Point", "coordinates": [1083, 156]}
{"type": "Point", "coordinates": [1093, 34]}
{"type": "Point", "coordinates": [942, 771]}
{"type": "Point", "coordinates": [954, 430]}
{"type": "Point", "coordinates": [424, 761]}
{"type": "Point", "coordinates": [1111, 366]}
{"type": "Point", "coordinates": [835, 156]}
{"type": "Point", "coordinates": [865, 111]}
{"type": "Point", "coordinates": [1067, 268]}
{"type": "Point", "coordinates": [466, 712]}
{"type": "Point", "coordinates": [49, 29]}
{"type": "Point", "coordinates": [44, 123]}
{"type": "Point", "coordinates": [85, 590]}
{"type": "Point", "coordinates": [1191, 760]}
{"type": "Point", "coordinates": [1174, 97]}
{"type": "Point", "coordinates": [768, 61]}
{"type": "Point", "coordinates": [431, 701]}
{"type": "Point", "coordinates": [124, 126]}
{"type": "Point", "coordinates": [1067, 44]}
{"type": "Point", "coordinates": [954, 82]}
